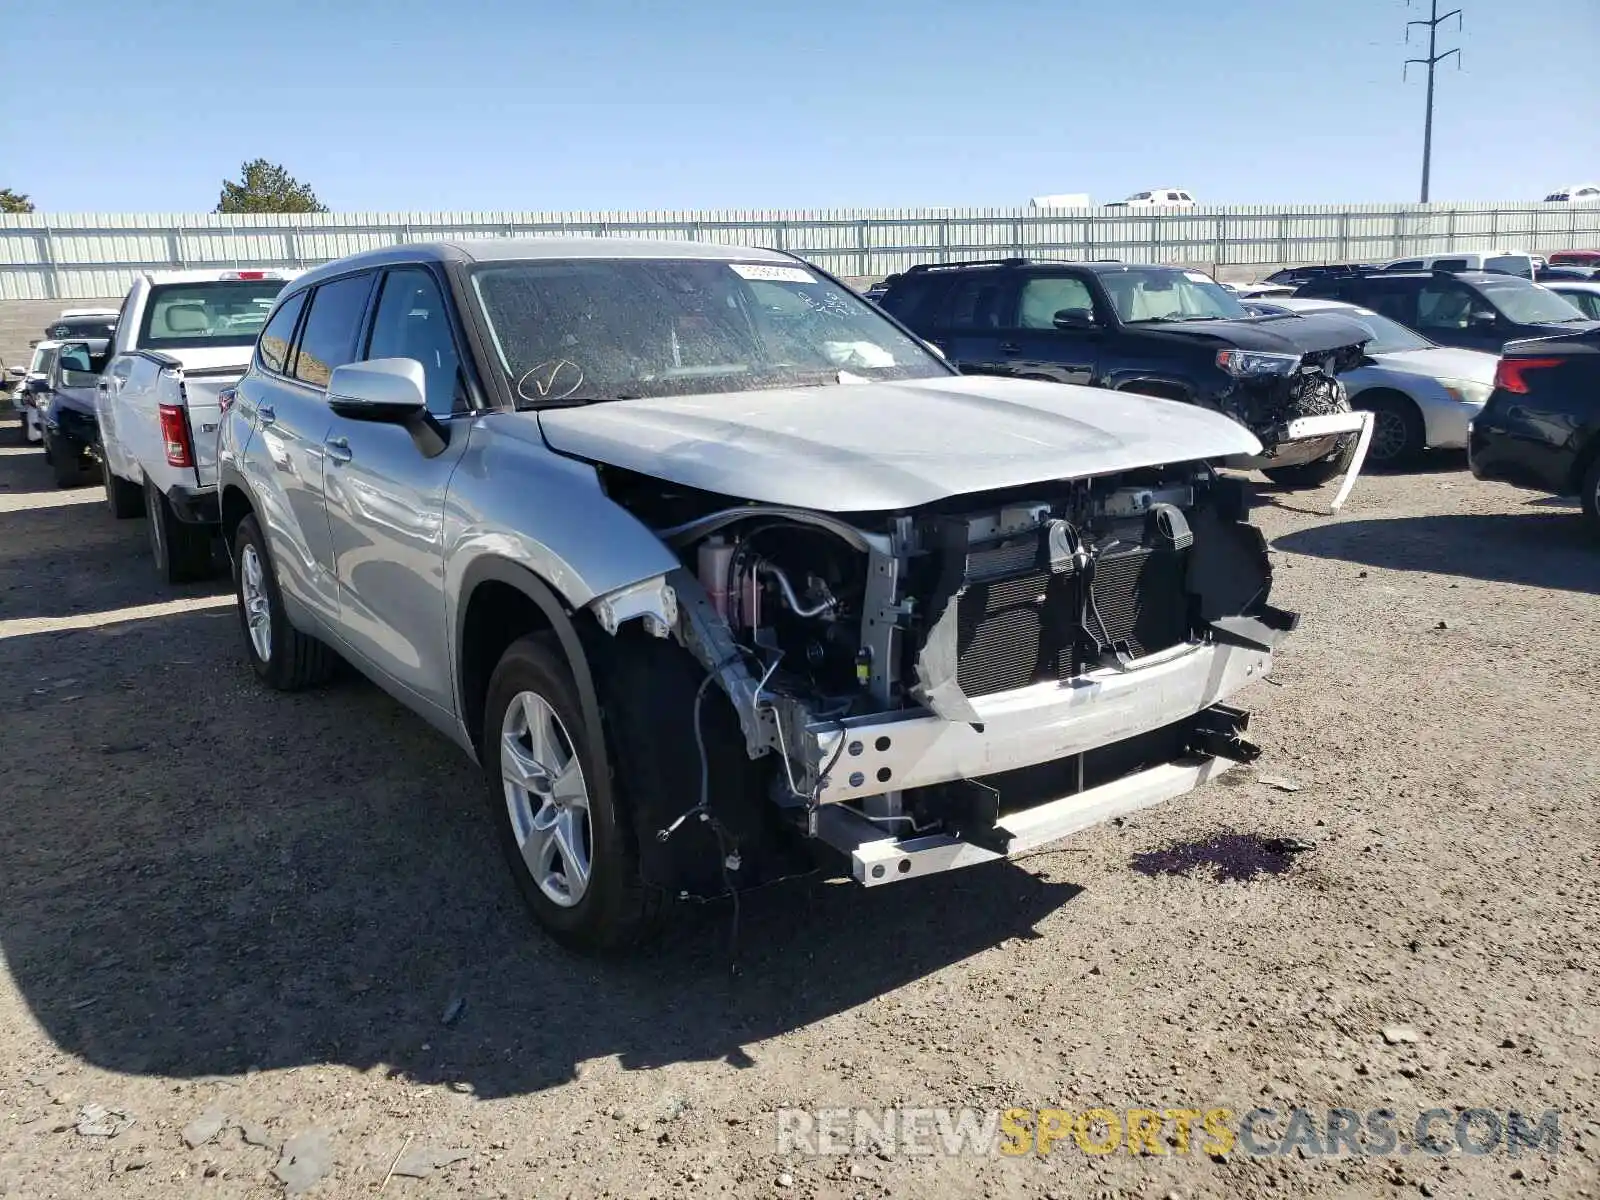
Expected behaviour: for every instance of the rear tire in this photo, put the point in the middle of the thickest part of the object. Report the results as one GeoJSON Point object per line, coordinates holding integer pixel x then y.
{"type": "Point", "coordinates": [1398, 434]}
{"type": "Point", "coordinates": [1315, 474]}
{"type": "Point", "coordinates": [1590, 495]}
{"type": "Point", "coordinates": [125, 499]}
{"type": "Point", "coordinates": [281, 656]}
{"type": "Point", "coordinates": [182, 551]}
{"type": "Point", "coordinates": [610, 908]}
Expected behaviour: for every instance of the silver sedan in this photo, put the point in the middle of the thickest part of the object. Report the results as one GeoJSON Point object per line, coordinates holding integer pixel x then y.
{"type": "Point", "coordinates": [1425, 395]}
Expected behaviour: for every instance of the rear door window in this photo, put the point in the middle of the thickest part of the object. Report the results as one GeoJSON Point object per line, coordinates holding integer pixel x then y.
{"type": "Point", "coordinates": [1410, 264]}
{"type": "Point", "coordinates": [973, 303]}
{"type": "Point", "coordinates": [272, 351]}
{"type": "Point", "coordinates": [332, 326]}
{"type": "Point", "coordinates": [1450, 264]}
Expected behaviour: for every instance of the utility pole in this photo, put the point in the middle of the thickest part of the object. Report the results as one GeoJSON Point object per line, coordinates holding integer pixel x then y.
{"type": "Point", "coordinates": [1434, 59]}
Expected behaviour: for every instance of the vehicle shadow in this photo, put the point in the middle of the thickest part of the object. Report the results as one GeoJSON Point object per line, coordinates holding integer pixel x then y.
{"type": "Point", "coordinates": [1538, 548]}
{"type": "Point", "coordinates": [199, 877]}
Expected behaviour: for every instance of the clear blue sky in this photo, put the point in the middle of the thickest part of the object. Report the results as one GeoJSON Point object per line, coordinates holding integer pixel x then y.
{"type": "Point", "coordinates": [112, 105]}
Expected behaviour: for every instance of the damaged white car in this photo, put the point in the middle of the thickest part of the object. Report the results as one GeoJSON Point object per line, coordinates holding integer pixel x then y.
{"type": "Point", "coordinates": [722, 575]}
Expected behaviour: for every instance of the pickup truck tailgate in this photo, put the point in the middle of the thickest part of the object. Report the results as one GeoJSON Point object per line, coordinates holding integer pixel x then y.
{"type": "Point", "coordinates": [200, 388]}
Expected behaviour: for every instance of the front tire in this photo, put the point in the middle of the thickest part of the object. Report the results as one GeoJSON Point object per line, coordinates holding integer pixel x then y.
{"type": "Point", "coordinates": [66, 464]}
{"type": "Point", "coordinates": [182, 551]}
{"type": "Point", "coordinates": [126, 500]}
{"type": "Point", "coordinates": [1315, 474]}
{"type": "Point", "coordinates": [1398, 434]}
{"type": "Point", "coordinates": [281, 656]}
{"type": "Point", "coordinates": [555, 807]}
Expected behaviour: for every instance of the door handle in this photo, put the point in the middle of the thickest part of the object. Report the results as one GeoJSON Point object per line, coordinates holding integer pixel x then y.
{"type": "Point", "coordinates": [339, 449]}
{"type": "Point", "coordinates": [1010, 348]}
{"type": "Point", "coordinates": [265, 415]}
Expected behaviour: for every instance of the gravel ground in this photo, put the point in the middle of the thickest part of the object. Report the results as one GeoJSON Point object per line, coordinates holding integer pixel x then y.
{"type": "Point", "coordinates": [240, 920]}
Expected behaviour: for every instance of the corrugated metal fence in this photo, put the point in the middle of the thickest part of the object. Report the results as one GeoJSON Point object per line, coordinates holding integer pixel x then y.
{"type": "Point", "coordinates": [45, 256]}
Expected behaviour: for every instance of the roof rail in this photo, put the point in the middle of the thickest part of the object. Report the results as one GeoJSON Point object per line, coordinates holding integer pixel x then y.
{"type": "Point", "coordinates": [922, 268]}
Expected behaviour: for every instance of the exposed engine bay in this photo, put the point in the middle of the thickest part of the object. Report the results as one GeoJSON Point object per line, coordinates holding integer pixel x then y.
{"type": "Point", "coordinates": [1267, 405]}
{"type": "Point", "coordinates": [965, 680]}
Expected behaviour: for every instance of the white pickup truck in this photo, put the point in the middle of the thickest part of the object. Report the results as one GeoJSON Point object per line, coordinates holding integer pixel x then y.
{"type": "Point", "coordinates": [182, 337]}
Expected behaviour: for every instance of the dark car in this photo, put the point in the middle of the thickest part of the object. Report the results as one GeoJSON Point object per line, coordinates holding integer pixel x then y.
{"type": "Point", "coordinates": [1573, 274]}
{"type": "Point", "coordinates": [1160, 331]}
{"type": "Point", "coordinates": [71, 429]}
{"type": "Point", "coordinates": [82, 325]}
{"type": "Point", "coordinates": [1477, 310]}
{"type": "Point", "coordinates": [1541, 427]}
{"type": "Point", "coordinates": [1299, 275]}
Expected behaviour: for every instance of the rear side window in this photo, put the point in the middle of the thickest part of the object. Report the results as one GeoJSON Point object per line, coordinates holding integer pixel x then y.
{"type": "Point", "coordinates": [273, 349]}
{"type": "Point", "coordinates": [1450, 264]}
{"type": "Point", "coordinates": [973, 303]}
{"type": "Point", "coordinates": [329, 340]}
{"type": "Point", "coordinates": [907, 296]}
{"type": "Point", "coordinates": [1044, 296]}
{"type": "Point", "coordinates": [1410, 264]}
{"type": "Point", "coordinates": [181, 316]}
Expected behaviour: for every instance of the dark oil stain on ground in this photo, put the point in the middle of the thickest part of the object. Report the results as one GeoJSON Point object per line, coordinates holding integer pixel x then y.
{"type": "Point", "coordinates": [1230, 857]}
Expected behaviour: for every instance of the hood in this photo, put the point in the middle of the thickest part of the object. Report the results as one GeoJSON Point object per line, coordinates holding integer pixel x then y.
{"type": "Point", "coordinates": [1443, 362]}
{"type": "Point", "coordinates": [1312, 333]}
{"type": "Point", "coordinates": [878, 446]}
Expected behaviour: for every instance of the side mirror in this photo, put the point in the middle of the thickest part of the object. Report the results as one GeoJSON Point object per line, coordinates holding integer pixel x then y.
{"type": "Point", "coordinates": [37, 387]}
{"type": "Point", "coordinates": [76, 356]}
{"type": "Point", "coordinates": [1073, 318]}
{"type": "Point", "coordinates": [16, 372]}
{"type": "Point", "coordinates": [391, 390]}
{"type": "Point", "coordinates": [1483, 319]}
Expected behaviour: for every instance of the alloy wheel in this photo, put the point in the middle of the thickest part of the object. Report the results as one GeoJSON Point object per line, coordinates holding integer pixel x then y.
{"type": "Point", "coordinates": [257, 608]}
{"type": "Point", "coordinates": [1388, 436]}
{"type": "Point", "coordinates": [547, 798]}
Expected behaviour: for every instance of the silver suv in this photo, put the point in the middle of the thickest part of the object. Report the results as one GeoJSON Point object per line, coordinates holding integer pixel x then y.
{"type": "Point", "coordinates": [722, 575]}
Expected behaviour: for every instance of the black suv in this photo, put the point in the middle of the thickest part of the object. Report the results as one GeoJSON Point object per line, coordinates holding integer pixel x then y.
{"type": "Point", "coordinates": [1476, 310]}
{"type": "Point", "coordinates": [1160, 331]}
{"type": "Point", "coordinates": [1295, 276]}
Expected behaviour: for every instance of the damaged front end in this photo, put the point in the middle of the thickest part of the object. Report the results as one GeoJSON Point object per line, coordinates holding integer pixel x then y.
{"type": "Point", "coordinates": [1297, 406]}
{"type": "Point", "coordinates": [982, 676]}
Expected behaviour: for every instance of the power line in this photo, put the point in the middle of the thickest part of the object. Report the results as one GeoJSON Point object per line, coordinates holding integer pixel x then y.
{"type": "Point", "coordinates": [1434, 59]}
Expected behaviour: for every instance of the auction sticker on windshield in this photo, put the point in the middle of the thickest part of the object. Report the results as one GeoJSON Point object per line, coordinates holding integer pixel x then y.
{"type": "Point", "coordinates": [774, 273]}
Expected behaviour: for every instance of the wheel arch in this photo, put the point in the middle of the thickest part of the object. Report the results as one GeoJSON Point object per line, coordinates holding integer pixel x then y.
{"type": "Point", "coordinates": [499, 602]}
{"type": "Point", "coordinates": [1583, 460]}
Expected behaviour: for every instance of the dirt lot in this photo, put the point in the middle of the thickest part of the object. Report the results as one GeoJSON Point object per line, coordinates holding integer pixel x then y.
{"type": "Point", "coordinates": [244, 917]}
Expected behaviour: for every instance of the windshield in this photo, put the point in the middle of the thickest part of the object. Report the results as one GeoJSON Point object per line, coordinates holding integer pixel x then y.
{"type": "Point", "coordinates": [1529, 304]}
{"type": "Point", "coordinates": [220, 313]}
{"type": "Point", "coordinates": [613, 329]}
{"type": "Point", "coordinates": [1162, 294]}
{"type": "Point", "coordinates": [1388, 337]}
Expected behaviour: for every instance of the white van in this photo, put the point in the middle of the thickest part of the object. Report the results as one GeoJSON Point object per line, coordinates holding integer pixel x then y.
{"type": "Point", "coordinates": [1500, 262]}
